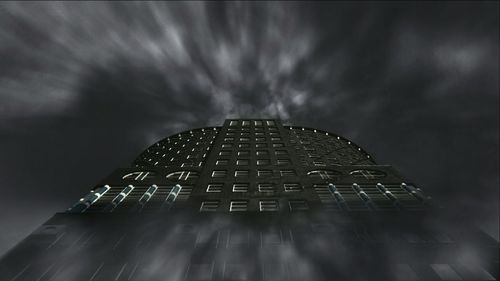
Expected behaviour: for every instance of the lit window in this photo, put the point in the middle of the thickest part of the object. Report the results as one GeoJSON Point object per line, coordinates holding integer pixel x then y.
{"type": "Point", "coordinates": [244, 153]}
{"type": "Point", "coordinates": [368, 174]}
{"type": "Point", "coordinates": [262, 152]}
{"type": "Point", "coordinates": [257, 123]}
{"type": "Point", "coordinates": [245, 139]}
{"type": "Point", "coordinates": [241, 173]}
{"type": "Point", "coordinates": [182, 175]}
{"type": "Point", "coordinates": [259, 133]}
{"type": "Point", "coordinates": [245, 123]}
{"type": "Point", "coordinates": [240, 187]}
{"type": "Point", "coordinates": [219, 174]}
{"type": "Point", "coordinates": [268, 205]}
{"type": "Point", "coordinates": [238, 206]}
{"type": "Point", "coordinates": [233, 123]}
{"type": "Point", "coordinates": [275, 139]}
{"type": "Point", "coordinates": [260, 139]}
{"type": "Point", "coordinates": [227, 145]}
{"type": "Point", "coordinates": [261, 145]}
{"type": "Point", "coordinates": [244, 145]}
{"type": "Point", "coordinates": [228, 139]}
{"type": "Point", "coordinates": [270, 123]}
{"type": "Point", "coordinates": [140, 175]}
{"type": "Point", "coordinates": [292, 187]}
{"type": "Point", "coordinates": [221, 162]}
{"type": "Point", "coordinates": [323, 174]}
{"type": "Point", "coordinates": [278, 145]}
{"type": "Point", "coordinates": [242, 162]}
{"type": "Point", "coordinates": [225, 153]}
{"type": "Point", "coordinates": [214, 187]}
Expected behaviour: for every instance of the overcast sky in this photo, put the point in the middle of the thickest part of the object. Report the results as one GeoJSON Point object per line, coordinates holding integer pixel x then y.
{"type": "Point", "coordinates": [85, 87]}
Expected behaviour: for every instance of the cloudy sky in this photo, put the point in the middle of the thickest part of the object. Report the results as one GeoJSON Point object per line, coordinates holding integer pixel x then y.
{"type": "Point", "coordinates": [85, 87]}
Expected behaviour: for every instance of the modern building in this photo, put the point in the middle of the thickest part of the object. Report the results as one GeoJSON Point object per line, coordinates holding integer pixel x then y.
{"type": "Point", "coordinates": [252, 200]}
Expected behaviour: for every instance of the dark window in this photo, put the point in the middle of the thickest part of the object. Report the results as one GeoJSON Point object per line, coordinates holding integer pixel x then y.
{"type": "Point", "coordinates": [292, 187]}
{"type": "Point", "coordinates": [283, 161]}
{"type": "Point", "coordinates": [209, 206]}
{"type": "Point", "coordinates": [298, 205]}
{"type": "Point", "coordinates": [266, 187]}
{"type": "Point", "coordinates": [288, 173]}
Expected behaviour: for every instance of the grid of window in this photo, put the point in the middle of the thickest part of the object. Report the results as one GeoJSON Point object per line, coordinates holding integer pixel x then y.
{"type": "Point", "coordinates": [244, 154]}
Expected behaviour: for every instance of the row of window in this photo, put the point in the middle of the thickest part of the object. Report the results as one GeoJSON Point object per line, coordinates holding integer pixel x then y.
{"type": "Point", "coordinates": [257, 139]}
{"type": "Point", "coordinates": [246, 173]}
{"type": "Point", "coordinates": [247, 152]}
{"type": "Point", "coordinates": [246, 123]}
{"type": "Point", "coordinates": [322, 174]}
{"type": "Point", "coordinates": [247, 134]}
{"type": "Point", "coordinates": [262, 187]}
{"type": "Point", "coordinates": [247, 145]}
{"type": "Point", "coordinates": [259, 162]}
{"type": "Point", "coordinates": [247, 129]}
{"type": "Point", "coordinates": [263, 206]}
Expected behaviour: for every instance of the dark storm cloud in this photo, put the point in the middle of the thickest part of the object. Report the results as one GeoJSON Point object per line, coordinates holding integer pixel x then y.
{"type": "Point", "coordinates": [84, 87]}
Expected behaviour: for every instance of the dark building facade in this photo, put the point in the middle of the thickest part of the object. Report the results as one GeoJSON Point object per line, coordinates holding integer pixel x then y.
{"type": "Point", "coordinates": [252, 200]}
